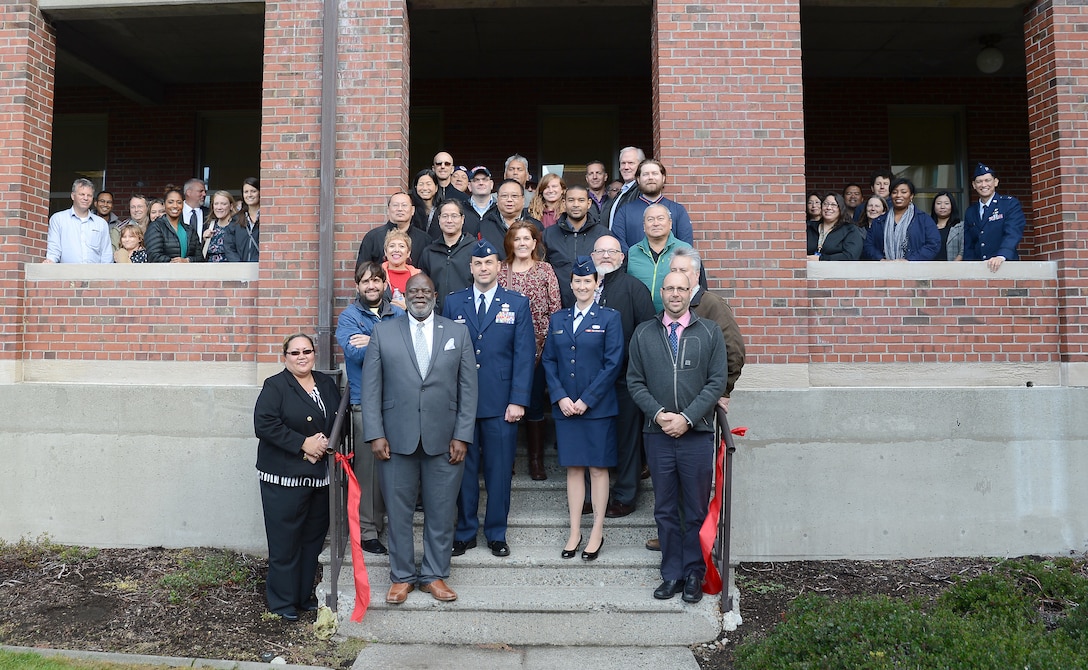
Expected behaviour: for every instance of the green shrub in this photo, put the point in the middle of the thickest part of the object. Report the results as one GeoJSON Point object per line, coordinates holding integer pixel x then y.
{"type": "Point", "coordinates": [213, 569]}
{"type": "Point", "coordinates": [991, 622]}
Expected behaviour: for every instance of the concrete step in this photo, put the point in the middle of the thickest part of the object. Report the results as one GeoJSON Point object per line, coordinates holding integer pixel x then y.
{"type": "Point", "coordinates": [427, 657]}
{"type": "Point", "coordinates": [533, 565]}
{"type": "Point", "coordinates": [603, 616]}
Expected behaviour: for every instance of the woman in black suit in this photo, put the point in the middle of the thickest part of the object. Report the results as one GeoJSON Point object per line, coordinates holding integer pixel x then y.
{"type": "Point", "coordinates": [293, 416]}
{"type": "Point", "coordinates": [834, 237]}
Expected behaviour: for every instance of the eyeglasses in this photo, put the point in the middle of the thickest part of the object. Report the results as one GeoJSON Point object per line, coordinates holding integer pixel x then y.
{"type": "Point", "coordinates": [509, 196]}
{"type": "Point", "coordinates": [675, 289]}
{"type": "Point", "coordinates": [607, 252]}
{"type": "Point", "coordinates": [831, 206]}
{"type": "Point", "coordinates": [443, 164]}
{"type": "Point", "coordinates": [299, 352]}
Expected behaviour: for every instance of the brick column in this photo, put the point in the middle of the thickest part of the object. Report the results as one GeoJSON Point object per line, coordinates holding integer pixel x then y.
{"type": "Point", "coordinates": [26, 101]}
{"type": "Point", "coordinates": [1057, 80]}
{"type": "Point", "coordinates": [372, 148]}
{"type": "Point", "coordinates": [729, 127]}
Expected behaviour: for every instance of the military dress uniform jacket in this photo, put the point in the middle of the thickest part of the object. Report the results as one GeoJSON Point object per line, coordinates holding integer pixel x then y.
{"type": "Point", "coordinates": [586, 364]}
{"type": "Point", "coordinates": [505, 347]}
{"type": "Point", "coordinates": [995, 232]}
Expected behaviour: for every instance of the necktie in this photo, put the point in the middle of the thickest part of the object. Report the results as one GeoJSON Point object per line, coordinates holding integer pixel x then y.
{"type": "Point", "coordinates": [481, 310]}
{"type": "Point", "coordinates": [193, 222]}
{"type": "Point", "coordinates": [423, 357]}
{"type": "Point", "coordinates": [577, 321]}
{"type": "Point", "coordinates": [674, 339]}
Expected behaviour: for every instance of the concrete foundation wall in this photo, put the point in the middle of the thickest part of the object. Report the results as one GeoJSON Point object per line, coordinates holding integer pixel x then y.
{"type": "Point", "coordinates": [823, 472]}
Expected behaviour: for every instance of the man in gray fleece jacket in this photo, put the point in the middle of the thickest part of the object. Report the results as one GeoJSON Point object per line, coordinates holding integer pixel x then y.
{"type": "Point", "coordinates": [676, 372]}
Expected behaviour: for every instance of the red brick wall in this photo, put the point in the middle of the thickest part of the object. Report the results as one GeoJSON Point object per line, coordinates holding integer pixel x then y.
{"type": "Point", "coordinates": [932, 321]}
{"type": "Point", "coordinates": [27, 55]}
{"type": "Point", "coordinates": [1057, 80]}
{"type": "Point", "coordinates": [729, 125]}
{"type": "Point", "coordinates": [179, 320]}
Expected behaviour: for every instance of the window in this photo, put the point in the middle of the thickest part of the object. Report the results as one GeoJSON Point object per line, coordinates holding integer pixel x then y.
{"type": "Point", "coordinates": [230, 149]}
{"type": "Point", "coordinates": [927, 147]}
{"type": "Point", "coordinates": [79, 150]}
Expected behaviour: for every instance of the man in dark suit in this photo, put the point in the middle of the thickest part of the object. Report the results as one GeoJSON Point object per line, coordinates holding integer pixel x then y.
{"type": "Point", "coordinates": [630, 158]}
{"type": "Point", "coordinates": [419, 410]}
{"type": "Point", "coordinates": [501, 328]}
{"type": "Point", "coordinates": [994, 226]}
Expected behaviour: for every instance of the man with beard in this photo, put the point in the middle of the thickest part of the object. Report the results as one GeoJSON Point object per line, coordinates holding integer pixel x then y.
{"type": "Point", "coordinates": [399, 215]}
{"type": "Point", "coordinates": [628, 223]}
{"type": "Point", "coordinates": [597, 184]}
{"type": "Point", "coordinates": [443, 167]}
{"type": "Point", "coordinates": [419, 414]}
{"type": "Point", "coordinates": [630, 158]}
{"type": "Point", "coordinates": [509, 207]}
{"type": "Point", "coordinates": [353, 330]}
{"type": "Point", "coordinates": [501, 327]}
{"type": "Point", "coordinates": [572, 236]}
{"type": "Point", "coordinates": [632, 300]}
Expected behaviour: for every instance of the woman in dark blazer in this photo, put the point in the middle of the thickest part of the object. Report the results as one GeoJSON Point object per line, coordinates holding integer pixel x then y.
{"type": "Point", "coordinates": [169, 239]}
{"type": "Point", "coordinates": [834, 237]}
{"type": "Point", "coordinates": [293, 417]}
{"type": "Point", "coordinates": [581, 365]}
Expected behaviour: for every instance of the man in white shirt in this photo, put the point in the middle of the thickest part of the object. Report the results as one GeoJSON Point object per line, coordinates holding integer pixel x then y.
{"type": "Point", "coordinates": [193, 212]}
{"type": "Point", "coordinates": [77, 235]}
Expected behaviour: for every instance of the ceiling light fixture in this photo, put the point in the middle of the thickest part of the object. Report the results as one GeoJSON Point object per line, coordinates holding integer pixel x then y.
{"type": "Point", "coordinates": [990, 59]}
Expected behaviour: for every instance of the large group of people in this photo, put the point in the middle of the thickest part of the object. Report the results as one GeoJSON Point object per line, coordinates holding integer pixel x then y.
{"type": "Point", "coordinates": [889, 226]}
{"type": "Point", "coordinates": [474, 318]}
{"type": "Point", "coordinates": [176, 228]}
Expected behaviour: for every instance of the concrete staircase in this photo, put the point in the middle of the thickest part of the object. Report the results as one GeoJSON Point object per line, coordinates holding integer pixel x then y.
{"type": "Point", "coordinates": [534, 597]}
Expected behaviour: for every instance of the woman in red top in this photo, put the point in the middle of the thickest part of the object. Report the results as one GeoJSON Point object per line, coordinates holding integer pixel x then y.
{"type": "Point", "coordinates": [398, 267]}
{"type": "Point", "coordinates": [525, 271]}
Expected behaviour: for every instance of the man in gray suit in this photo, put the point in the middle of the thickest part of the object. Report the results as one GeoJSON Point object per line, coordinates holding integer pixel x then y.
{"type": "Point", "coordinates": [419, 395]}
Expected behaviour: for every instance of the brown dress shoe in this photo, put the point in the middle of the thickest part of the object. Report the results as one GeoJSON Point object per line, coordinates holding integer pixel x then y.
{"type": "Point", "coordinates": [618, 509]}
{"type": "Point", "coordinates": [439, 591]}
{"type": "Point", "coordinates": [398, 592]}
{"type": "Point", "coordinates": [653, 544]}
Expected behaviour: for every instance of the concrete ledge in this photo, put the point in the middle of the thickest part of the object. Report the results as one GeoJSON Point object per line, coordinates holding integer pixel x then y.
{"type": "Point", "coordinates": [153, 373]}
{"type": "Point", "coordinates": [141, 272]}
{"type": "Point", "coordinates": [11, 371]}
{"type": "Point", "coordinates": [1038, 270]}
{"type": "Point", "coordinates": [933, 375]}
{"type": "Point", "coordinates": [1074, 374]}
{"type": "Point", "coordinates": [167, 661]}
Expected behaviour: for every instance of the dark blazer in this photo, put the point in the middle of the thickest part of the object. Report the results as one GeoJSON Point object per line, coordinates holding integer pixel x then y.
{"type": "Point", "coordinates": [632, 300]}
{"type": "Point", "coordinates": [406, 409]}
{"type": "Point", "coordinates": [625, 197]}
{"type": "Point", "coordinates": [923, 238]}
{"type": "Point", "coordinates": [237, 244]}
{"type": "Point", "coordinates": [586, 364]}
{"type": "Point", "coordinates": [372, 248]}
{"type": "Point", "coordinates": [996, 232]}
{"type": "Point", "coordinates": [841, 244]}
{"type": "Point", "coordinates": [284, 416]}
{"type": "Point", "coordinates": [448, 266]}
{"type": "Point", "coordinates": [505, 347]}
{"type": "Point", "coordinates": [163, 245]}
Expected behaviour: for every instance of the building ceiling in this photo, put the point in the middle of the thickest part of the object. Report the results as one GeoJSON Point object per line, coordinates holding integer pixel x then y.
{"type": "Point", "coordinates": [140, 49]}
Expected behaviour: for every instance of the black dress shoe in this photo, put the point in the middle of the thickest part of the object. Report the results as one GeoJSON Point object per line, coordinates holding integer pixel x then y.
{"type": "Point", "coordinates": [592, 555]}
{"type": "Point", "coordinates": [693, 588]}
{"type": "Point", "coordinates": [668, 589]}
{"type": "Point", "coordinates": [374, 546]}
{"type": "Point", "coordinates": [460, 547]}
{"type": "Point", "coordinates": [570, 553]}
{"type": "Point", "coordinates": [499, 548]}
{"type": "Point", "coordinates": [618, 509]}
{"type": "Point", "coordinates": [310, 605]}
{"type": "Point", "coordinates": [288, 615]}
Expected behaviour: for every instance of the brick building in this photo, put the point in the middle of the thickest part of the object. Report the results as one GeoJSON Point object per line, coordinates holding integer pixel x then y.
{"type": "Point", "coordinates": [747, 104]}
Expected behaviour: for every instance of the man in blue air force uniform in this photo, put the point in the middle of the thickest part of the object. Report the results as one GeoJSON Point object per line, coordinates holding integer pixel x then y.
{"type": "Point", "coordinates": [502, 335]}
{"type": "Point", "coordinates": [993, 226]}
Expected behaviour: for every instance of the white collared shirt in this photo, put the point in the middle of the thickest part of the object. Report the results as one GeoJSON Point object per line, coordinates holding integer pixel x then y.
{"type": "Point", "coordinates": [72, 239]}
{"type": "Point", "coordinates": [488, 297]}
{"type": "Point", "coordinates": [187, 213]}
{"type": "Point", "coordinates": [428, 329]}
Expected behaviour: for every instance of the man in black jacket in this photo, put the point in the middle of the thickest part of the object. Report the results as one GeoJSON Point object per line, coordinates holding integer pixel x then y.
{"type": "Point", "coordinates": [446, 260]}
{"type": "Point", "coordinates": [632, 300]}
{"type": "Point", "coordinates": [510, 207]}
{"type": "Point", "coordinates": [572, 236]}
{"type": "Point", "coordinates": [399, 214]}
{"type": "Point", "coordinates": [443, 167]}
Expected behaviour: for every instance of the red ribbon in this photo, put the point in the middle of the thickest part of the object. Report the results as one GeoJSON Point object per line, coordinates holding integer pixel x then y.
{"type": "Point", "coordinates": [712, 583]}
{"type": "Point", "coordinates": [358, 564]}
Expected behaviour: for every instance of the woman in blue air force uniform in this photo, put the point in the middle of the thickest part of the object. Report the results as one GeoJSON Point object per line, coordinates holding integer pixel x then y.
{"type": "Point", "coordinates": [582, 357]}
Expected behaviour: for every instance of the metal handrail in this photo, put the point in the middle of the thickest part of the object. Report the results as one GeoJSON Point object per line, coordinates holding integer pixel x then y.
{"type": "Point", "coordinates": [725, 516]}
{"type": "Point", "coordinates": [338, 487]}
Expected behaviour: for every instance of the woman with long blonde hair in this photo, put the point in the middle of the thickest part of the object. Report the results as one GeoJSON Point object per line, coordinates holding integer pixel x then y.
{"type": "Point", "coordinates": [547, 203]}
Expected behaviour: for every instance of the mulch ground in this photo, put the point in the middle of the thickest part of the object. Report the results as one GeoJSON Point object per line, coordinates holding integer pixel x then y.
{"type": "Point", "coordinates": [115, 600]}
